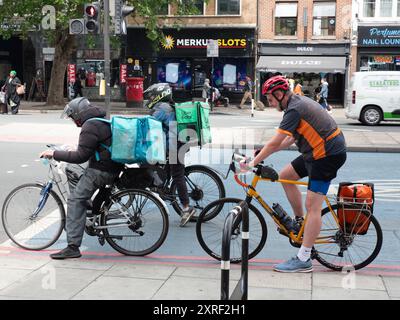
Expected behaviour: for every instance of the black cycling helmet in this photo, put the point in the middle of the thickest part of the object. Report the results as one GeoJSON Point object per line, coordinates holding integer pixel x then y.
{"type": "Point", "coordinates": [156, 93]}
{"type": "Point", "coordinates": [76, 109]}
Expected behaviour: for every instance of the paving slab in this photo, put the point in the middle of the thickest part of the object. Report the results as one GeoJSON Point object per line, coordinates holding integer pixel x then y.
{"type": "Point", "coordinates": [120, 288]}
{"type": "Point", "coordinates": [24, 263]}
{"type": "Point", "coordinates": [393, 286]}
{"type": "Point", "coordinates": [184, 288]}
{"type": "Point", "coordinates": [326, 293]}
{"type": "Point", "coordinates": [51, 283]}
{"type": "Point", "coordinates": [272, 279]}
{"type": "Point", "coordinates": [257, 293]}
{"type": "Point", "coordinates": [9, 276]}
{"type": "Point", "coordinates": [140, 271]}
{"type": "Point", "coordinates": [206, 273]}
{"type": "Point", "coordinates": [81, 264]}
{"type": "Point", "coordinates": [348, 280]}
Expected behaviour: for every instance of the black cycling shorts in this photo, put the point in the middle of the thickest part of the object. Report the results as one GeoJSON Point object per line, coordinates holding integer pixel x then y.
{"type": "Point", "coordinates": [324, 169]}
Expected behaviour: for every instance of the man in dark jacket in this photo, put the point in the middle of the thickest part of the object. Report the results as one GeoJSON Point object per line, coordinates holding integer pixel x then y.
{"type": "Point", "coordinates": [98, 173]}
{"type": "Point", "coordinates": [12, 97]}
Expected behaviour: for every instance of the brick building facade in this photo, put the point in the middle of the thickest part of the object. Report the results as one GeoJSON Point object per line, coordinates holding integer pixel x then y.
{"type": "Point", "coordinates": [306, 40]}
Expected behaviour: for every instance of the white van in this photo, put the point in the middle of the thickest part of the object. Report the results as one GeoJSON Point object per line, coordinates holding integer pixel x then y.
{"type": "Point", "coordinates": [373, 97]}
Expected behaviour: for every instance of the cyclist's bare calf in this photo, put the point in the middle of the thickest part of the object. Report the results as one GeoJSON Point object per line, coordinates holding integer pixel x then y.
{"type": "Point", "coordinates": [292, 191]}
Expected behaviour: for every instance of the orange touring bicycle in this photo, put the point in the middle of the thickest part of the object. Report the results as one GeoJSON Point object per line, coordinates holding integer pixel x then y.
{"type": "Point", "coordinates": [350, 236]}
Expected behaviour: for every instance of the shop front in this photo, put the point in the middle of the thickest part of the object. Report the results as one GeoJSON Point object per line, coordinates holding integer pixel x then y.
{"type": "Point", "coordinates": [307, 64]}
{"type": "Point", "coordinates": [182, 61]}
{"type": "Point", "coordinates": [378, 48]}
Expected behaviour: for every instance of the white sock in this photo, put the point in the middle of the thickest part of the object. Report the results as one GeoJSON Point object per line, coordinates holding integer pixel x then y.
{"type": "Point", "coordinates": [304, 253]}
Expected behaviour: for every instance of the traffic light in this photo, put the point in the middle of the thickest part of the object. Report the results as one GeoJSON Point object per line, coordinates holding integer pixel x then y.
{"type": "Point", "coordinates": [76, 26]}
{"type": "Point", "coordinates": [92, 18]}
{"type": "Point", "coordinates": [121, 11]}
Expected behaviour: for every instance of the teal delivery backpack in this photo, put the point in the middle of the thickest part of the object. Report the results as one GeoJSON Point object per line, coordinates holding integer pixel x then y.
{"type": "Point", "coordinates": [136, 140]}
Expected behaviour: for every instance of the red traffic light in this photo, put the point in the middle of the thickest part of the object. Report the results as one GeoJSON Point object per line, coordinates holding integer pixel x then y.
{"type": "Point", "coordinates": [91, 11]}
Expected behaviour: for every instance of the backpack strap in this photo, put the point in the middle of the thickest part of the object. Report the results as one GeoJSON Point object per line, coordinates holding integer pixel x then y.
{"type": "Point", "coordinates": [97, 154]}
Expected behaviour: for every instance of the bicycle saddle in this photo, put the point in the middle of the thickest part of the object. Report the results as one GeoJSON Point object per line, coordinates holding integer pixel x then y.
{"type": "Point", "coordinates": [269, 173]}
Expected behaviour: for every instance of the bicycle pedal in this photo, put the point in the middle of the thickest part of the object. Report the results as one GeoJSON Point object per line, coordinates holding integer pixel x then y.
{"type": "Point", "coordinates": [102, 240]}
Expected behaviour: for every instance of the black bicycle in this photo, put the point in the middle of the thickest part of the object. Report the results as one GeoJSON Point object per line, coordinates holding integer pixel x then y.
{"type": "Point", "coordinates": [203, 183]}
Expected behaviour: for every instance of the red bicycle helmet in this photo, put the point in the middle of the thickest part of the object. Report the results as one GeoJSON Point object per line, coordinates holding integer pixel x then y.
{"type": "Point", "coordinates": [275, 83]}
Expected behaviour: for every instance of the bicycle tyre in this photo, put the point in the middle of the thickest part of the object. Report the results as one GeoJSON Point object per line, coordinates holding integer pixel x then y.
{"type": "Point", "coordinates": [136, 195]}
{"type": "Point", "coordinates": [214, 249]}
{"type": "Point", "coordinates": [39, 241]}
{"type": "Point", "coordinates": [200, 204]}
{"type": "Point", "coordinates": [377, 246]}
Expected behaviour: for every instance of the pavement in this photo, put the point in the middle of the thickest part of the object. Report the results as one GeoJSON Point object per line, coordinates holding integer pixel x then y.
{"type": "Point", "coordinates": [27, 275]}
{"type": "Point", "coordinates": [358, 138]}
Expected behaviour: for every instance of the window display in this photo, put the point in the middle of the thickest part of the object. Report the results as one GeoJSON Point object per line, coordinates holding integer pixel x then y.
{"type": "Point", "coordinates": [380, 63]}
{"type": "Point", "coordinates": [176, 73]}
{"type": "Point", "coordinates": [90, 72]}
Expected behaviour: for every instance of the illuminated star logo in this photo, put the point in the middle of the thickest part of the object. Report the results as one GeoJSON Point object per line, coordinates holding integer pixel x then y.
{"type": "Point", "coordinates": [169, 43]}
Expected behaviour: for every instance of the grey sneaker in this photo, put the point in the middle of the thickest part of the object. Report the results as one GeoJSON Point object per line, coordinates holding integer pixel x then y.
{"type": "Point", "coordinates": [187, 214]}
{"type": "Point", "coordinates": [294, 265]}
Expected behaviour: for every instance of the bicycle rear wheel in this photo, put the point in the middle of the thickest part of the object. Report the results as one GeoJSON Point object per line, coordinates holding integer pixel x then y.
{"type": "Point", "coordinates": [28, 226]}
{"type": "Point", "coordinates": [209, 230]}
{"type": "Point", "coordinates": [204, 186]}
{"type": "Point", "coordinates": [136, 227]}
{"type": "Point", "coordinates": [347, 250]}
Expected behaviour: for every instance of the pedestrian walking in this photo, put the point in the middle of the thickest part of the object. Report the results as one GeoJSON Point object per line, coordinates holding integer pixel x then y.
{"type": "Point", "coordinates": [13, 89]}
{"type": "Point", "coordinates": [323, 153]}
{"type": "Point", "coordinates": [206, 90]}
{"type": "Point", "coordinates": [77, 86]}
{"type": "Point", "coordinates": [324, 94]}
{"type": "Point", "coordinates": [248, 89]}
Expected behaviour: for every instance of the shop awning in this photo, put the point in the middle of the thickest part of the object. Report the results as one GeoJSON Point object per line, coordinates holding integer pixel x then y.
{"type": "Point", "coordinates": [302, 64]}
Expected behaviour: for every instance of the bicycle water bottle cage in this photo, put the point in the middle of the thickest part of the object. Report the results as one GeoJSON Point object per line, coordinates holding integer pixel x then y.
{"type": "Point", "coordinates": [269, 173]}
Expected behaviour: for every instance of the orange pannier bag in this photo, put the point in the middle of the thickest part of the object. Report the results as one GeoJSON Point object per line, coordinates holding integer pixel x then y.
{"type": "Point", "coordinates": [355, 206]}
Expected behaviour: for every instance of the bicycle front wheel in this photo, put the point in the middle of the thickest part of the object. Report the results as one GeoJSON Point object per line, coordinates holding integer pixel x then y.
{"type": "Point", "coordinates": [135, 221]}
{"type": "Point", "coordinates": [30, 220]}
{"type": "Point", "coordinates": [204, 186]}
{"type": "Point", "coordinates": [209, 230]}
{"type": "Point", "coordinates": [345, 249]}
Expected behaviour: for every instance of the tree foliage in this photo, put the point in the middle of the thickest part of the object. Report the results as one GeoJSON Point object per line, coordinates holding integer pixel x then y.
{"type": "Point", "coordinates": [19, 18]}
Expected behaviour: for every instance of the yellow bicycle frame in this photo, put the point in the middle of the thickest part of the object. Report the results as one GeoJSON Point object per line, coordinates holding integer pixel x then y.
{"type": "Point", "coordinates": [251, 192]}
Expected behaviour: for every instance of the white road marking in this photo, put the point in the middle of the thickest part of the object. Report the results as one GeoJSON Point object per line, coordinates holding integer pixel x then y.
{"type": "Point", "coordinates": [10, 171]}
{"type": "Point", "coordinates": [24, 165]}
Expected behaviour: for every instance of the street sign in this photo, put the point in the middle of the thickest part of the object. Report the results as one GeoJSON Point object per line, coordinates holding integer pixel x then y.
{"type": "Point", "coordinates": [123, 71]}
{"type": "Point", "coordinates": [212, 48]}
{"type": "Point", "coordinates": [71, 73]}
{"type": "Point", "coordinates": [76, 26]}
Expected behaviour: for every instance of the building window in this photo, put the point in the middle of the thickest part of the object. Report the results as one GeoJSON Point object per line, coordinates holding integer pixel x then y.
{"type": "Point", "coordinates": [398, 8]}
{"type": "Point", "coordinates": [386, 8]}
{"type": "Point", "coordinates": [197, 4]}
{"type": "Point", "coordinates": [369, 8]}
{"type": "Point", "coordinates": [228, 7]}
{"type": "Point", "coordinates": [324, 18]}
{"type": "Point", "coordinates": [286, 19]}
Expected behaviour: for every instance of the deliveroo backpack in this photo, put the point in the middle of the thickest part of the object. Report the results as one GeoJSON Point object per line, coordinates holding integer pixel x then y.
{"type": "Point", "coordinates": [136, 140]}
{"type": "Point", "coordinates": [193, 122]}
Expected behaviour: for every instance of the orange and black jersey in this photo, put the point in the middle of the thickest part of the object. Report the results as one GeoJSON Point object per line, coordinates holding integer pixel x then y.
{"type": "Point", "coordinates": [316, 133]}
